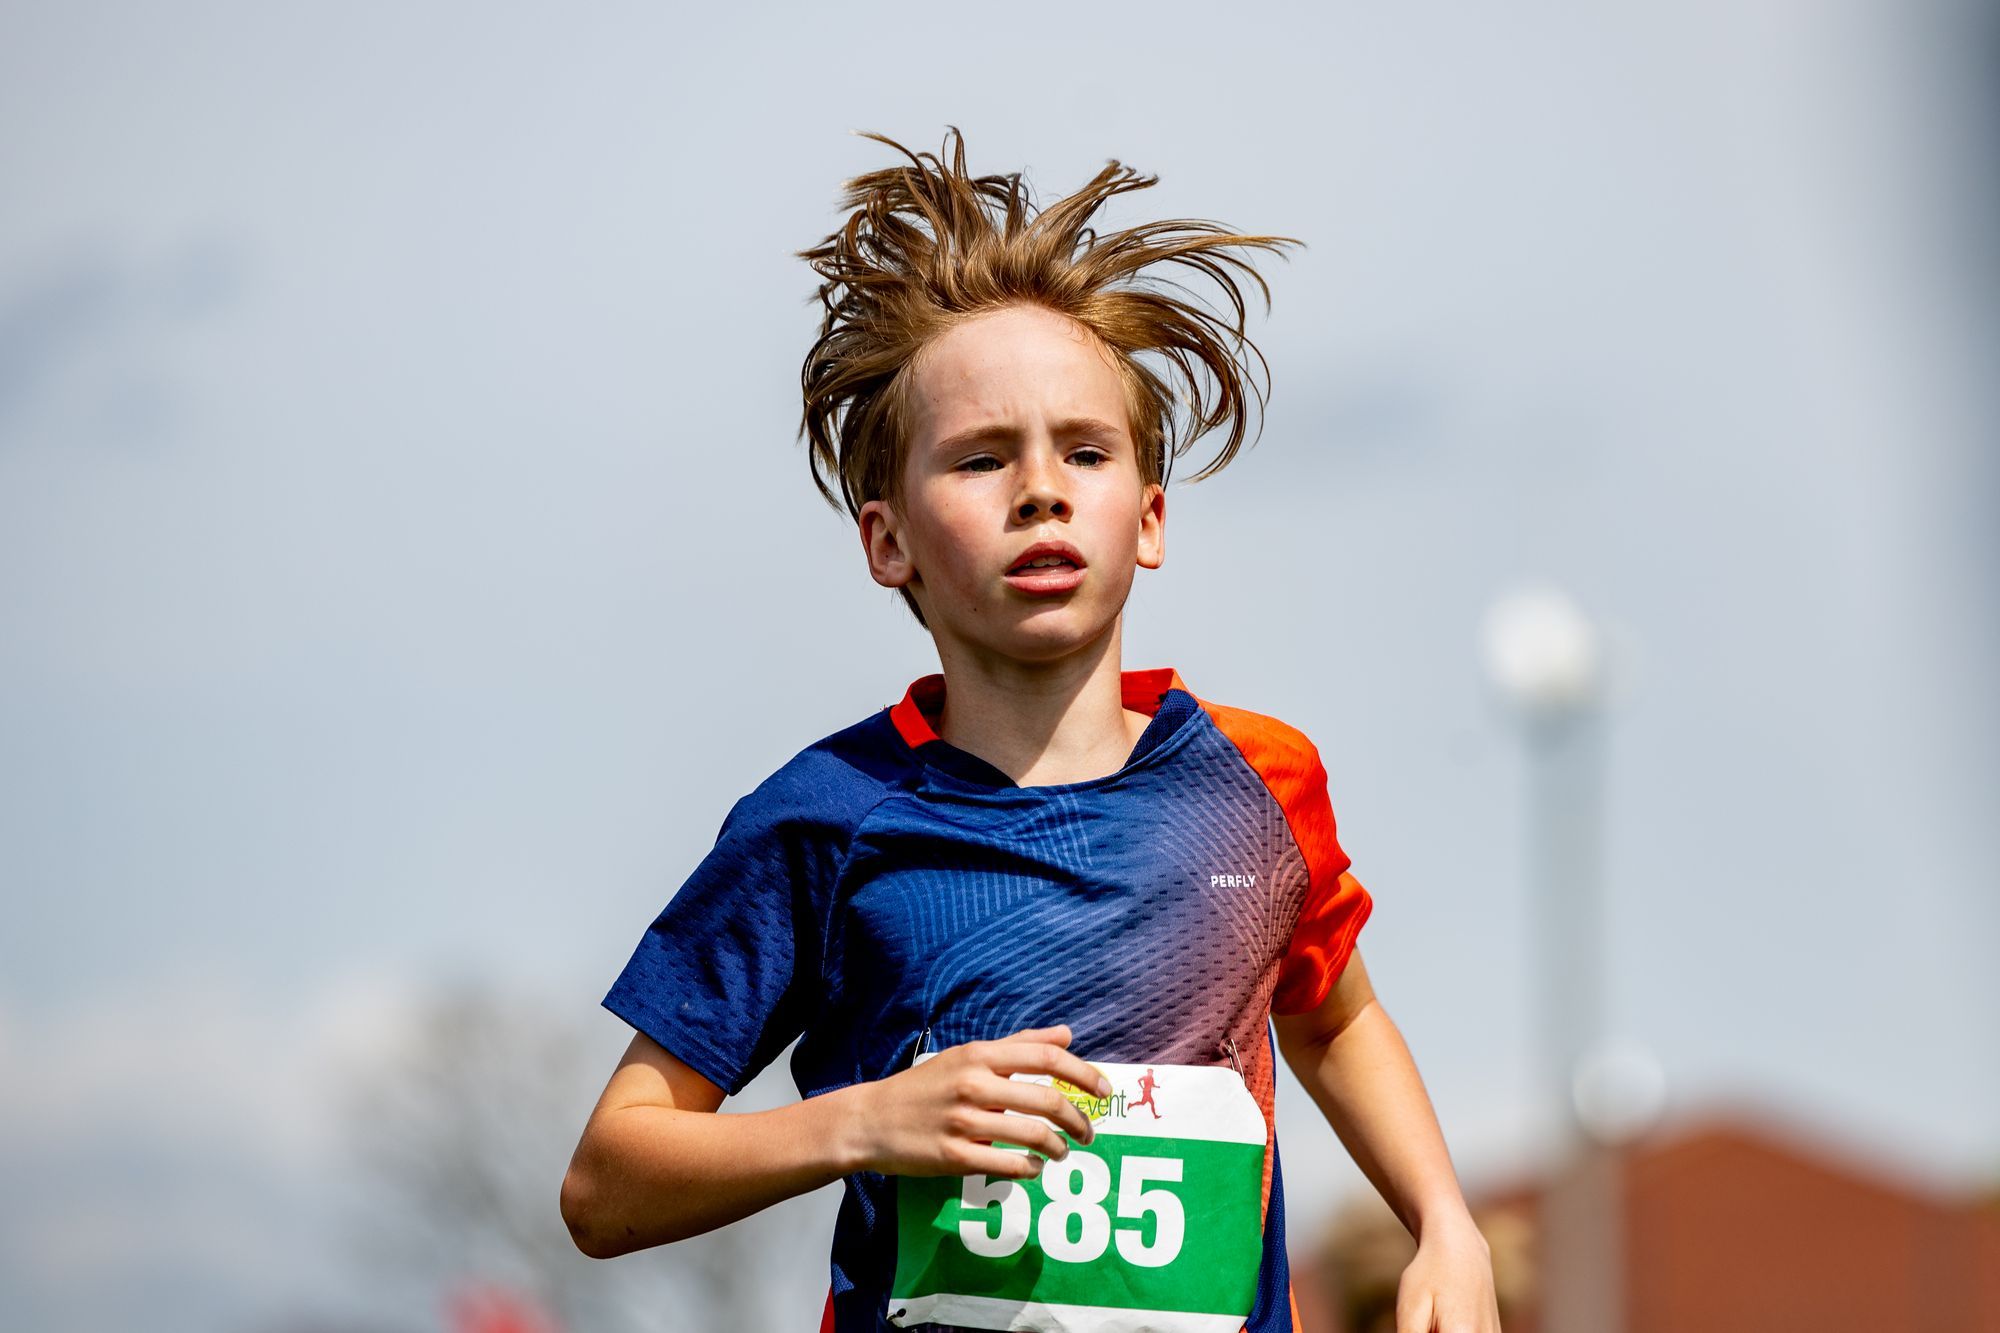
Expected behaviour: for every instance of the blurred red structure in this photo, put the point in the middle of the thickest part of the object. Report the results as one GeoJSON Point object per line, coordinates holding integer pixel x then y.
{"type": "Point", "coordinates": [1730, 1227]}
{"type": "Point", "coordinates": [486, 1307]}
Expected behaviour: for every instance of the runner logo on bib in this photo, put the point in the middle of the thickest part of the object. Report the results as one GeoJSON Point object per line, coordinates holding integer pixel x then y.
{"type": "Point", "coordinates": [1154, 1225]}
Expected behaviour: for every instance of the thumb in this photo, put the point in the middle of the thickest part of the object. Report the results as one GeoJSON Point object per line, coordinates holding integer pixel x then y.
{"type": "Point", "coordinates": [1414, 1315]}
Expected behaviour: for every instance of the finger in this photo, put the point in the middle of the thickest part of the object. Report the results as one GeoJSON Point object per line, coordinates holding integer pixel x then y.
{"type": "Point", "coordinates": [996, 1093]}
{"type": "Point", "coordinates": [994, 1049]}
{"type": "Point", "coordinates": [1414, 1316]}
{"type": "Point", "coordinates": [1079, 1073]}
{"type": "Point", "coordinates": [1000, 1163]}
{"type": "Point", "coordinates": [1039, 1057]}
{"type": "Point", "coordinates": [1026, 1131]}
{"type": "Point", "coordinates": [1042, 1100]}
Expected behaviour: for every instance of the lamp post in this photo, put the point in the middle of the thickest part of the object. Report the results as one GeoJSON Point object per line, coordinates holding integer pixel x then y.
{"type": "Point", "coordinates": [1548, 662]}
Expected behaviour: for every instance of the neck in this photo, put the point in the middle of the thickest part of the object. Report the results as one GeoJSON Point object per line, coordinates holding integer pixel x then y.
{"type": "Point", "coordinates": [1041, 723]}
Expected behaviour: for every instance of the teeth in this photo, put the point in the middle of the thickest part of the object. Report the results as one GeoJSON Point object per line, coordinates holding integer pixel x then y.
{"type": "Point", "coordinates": [1044, 562]}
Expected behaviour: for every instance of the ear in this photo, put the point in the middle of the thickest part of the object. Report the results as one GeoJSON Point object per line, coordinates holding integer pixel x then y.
{"type": "Point", "coordinates": [1152, 525]}
{"type": "Point", "coordinates": [881, 539]}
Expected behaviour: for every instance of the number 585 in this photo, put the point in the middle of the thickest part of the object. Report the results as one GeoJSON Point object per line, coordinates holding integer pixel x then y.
{"type": "Point", "coordinates": [1077, 1186]}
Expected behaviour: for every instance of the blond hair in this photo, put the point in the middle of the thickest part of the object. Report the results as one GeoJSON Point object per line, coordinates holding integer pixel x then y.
{"type": "Point", "coordinates": [928, 245]}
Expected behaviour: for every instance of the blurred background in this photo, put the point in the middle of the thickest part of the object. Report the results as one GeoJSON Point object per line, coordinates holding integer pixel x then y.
{"type": "Point", "coordinates": [406, 559]}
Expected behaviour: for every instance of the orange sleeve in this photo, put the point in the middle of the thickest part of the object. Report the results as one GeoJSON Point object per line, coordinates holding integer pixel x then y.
{"type": "Point", "coordinates": [1321, 943]}
{"type": "Point", "coordinates": [1335, 903]}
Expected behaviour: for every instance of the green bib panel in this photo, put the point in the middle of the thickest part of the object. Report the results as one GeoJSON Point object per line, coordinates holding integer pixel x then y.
{"type": "Point", "coordinates": [1154, 1227]}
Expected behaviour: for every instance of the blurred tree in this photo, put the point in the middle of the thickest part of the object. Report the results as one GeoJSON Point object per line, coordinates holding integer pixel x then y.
{"type": "Point", "coordinates": [462, 1128]}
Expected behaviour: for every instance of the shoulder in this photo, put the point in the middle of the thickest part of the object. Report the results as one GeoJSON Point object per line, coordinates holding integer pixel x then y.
{"type": "Point", "coordinates": [1274, 748]}
{"type": "Point", "coordinates": [832, 783]}
{"type": "Point", "coordinates": [1288, 764]}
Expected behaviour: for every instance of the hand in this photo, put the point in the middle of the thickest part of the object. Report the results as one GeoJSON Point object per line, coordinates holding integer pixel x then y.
{"type": "Point", "coordinates": [941, 1117]}
{"type": "Point", "coordinates": [1448, 1287]}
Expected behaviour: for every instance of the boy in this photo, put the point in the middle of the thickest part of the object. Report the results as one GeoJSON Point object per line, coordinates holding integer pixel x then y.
{"type": "Point", "coordinates": [1034, 924]}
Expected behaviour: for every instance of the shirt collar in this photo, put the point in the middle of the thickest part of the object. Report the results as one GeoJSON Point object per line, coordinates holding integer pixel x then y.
{"type": "Point", "coordinates": [923, 703]}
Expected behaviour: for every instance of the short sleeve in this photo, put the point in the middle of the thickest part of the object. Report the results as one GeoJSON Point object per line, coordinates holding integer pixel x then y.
{"type": "Point", "coordinates": [1335, 904]}
{"type": "Point", "coordinates": [728, 973]}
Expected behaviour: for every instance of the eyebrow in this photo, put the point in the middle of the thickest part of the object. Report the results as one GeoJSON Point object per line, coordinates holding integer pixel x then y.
{"type": "Point", "coordinates": [999, 434]}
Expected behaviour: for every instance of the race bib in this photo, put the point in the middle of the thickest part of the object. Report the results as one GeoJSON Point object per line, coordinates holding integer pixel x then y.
{"type": "Point", "coordinates": [1155, 1226]}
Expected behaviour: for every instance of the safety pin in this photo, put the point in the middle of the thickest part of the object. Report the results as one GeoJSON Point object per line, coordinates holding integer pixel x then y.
{"type": "Point", "coordinates": [1230, 1042]}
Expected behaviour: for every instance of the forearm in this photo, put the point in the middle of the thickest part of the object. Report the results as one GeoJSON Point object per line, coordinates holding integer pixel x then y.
{"type": "Point", "coordinates": [647, 1175]}
{"type": "Point", "coordinates": [1367, 1086]}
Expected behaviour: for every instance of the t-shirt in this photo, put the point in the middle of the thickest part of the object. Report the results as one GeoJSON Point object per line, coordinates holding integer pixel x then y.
{"type": "Point", "coordinates": [885, 888]}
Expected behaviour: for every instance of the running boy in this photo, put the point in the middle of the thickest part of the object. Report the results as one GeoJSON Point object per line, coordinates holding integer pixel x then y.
{"type": "Point", "coordinates": [1041, 891]}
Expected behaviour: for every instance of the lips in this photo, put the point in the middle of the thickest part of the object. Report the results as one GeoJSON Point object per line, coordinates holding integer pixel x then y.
{"type": "Point", "coordinates": [1065, 575]}
{"type": "Point", "coordinates": [1069, 556]}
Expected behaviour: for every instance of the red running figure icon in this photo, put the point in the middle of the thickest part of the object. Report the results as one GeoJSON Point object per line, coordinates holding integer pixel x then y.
{"type": "Point", "coordinates": [1146, 1085]}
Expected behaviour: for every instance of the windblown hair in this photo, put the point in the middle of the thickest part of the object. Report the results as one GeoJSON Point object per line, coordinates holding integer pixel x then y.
{"type": "Point", "coordinates": [928, 245]}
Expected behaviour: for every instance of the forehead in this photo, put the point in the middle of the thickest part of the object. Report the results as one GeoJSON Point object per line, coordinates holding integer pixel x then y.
{"type": "Point", "coordinates": [1012, 366]}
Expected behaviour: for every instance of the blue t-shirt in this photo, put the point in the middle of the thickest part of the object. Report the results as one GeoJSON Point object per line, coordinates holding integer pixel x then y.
{"type": "Point", "coordinates": [884, 882]}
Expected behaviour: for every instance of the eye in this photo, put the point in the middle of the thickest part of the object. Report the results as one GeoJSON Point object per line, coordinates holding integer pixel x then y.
{"type": "Point", "coordinates": [974, 464]}
{"type": "Point", "coordinates": [1090, 457]}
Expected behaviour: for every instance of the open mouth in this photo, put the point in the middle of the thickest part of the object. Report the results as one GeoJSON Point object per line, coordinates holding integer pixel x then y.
{"type": "Point", "coordinates": [1047, 567]}
{"type": "Point", "coordinates": [1043, 562]}
{"type": "Point", "coordinates": [1047, 555]}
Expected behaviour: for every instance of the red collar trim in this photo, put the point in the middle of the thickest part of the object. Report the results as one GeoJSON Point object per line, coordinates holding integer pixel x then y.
{"type": "Point", "coordinates": [922, 704]}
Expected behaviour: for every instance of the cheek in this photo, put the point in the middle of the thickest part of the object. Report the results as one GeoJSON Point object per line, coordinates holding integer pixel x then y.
{"type": "Point", "coordinates": [946, 549]}
{"type": "Point", "coordinates": [1123, 515]}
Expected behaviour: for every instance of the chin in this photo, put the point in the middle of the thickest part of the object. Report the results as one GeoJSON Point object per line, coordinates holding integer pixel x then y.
{"type": "Point", "coordinates": [1050, 632]}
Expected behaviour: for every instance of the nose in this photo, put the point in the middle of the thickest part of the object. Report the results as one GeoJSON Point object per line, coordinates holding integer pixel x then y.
{"type": "Point", "coordinates": [1042, 484]}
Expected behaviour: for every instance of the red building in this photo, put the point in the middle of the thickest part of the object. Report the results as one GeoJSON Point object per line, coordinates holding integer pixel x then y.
{"type": "Point", "coordinates": [1728, 1226]}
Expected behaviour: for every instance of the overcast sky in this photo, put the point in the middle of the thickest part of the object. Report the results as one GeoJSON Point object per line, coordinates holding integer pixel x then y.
{"type": "Point", "coordinates": [406, 559]}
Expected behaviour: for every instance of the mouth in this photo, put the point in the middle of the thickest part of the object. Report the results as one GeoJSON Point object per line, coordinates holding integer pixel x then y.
{"type": "Point", "coordinates": [1047, 567]}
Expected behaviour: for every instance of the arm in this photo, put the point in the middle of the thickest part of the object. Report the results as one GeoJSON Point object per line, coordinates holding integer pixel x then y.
{"type": "Point", "coordinates": [657, 1163]}
{"type": "Point", "coordinates": [1354, 1063]}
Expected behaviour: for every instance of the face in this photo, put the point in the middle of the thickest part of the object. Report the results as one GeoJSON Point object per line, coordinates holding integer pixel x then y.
{"type": "Point", "coordinates": [1018, 440]}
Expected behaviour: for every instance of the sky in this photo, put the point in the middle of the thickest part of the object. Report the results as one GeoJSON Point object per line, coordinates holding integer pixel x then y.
{"type": "Point", "coordinates": [406, 556]}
